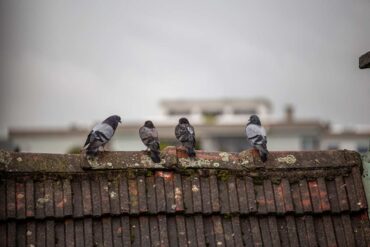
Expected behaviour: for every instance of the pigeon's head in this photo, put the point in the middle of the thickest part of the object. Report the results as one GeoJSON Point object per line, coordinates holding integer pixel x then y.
{"type": "Point", "coordinates": [149, 124]}
{"type": "Point", "coordinates": [183, 120]}
{"type": "Point", "coordinates": [113, 121]}
{"type": "Point", "coordinates": [254, 119]}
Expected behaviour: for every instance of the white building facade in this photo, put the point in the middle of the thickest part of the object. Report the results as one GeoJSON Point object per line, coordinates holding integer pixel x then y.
{"type": "Point", "coordinates": [219, 126]}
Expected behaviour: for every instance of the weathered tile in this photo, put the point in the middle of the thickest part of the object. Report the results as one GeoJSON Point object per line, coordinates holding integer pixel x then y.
{"type": "Point", "coordinates": [242, 196]}
{"type": "Point", "coordinates": [107, 231]}
{"type": "Point", "coordinates": [305, 196]}
{"type": "Point", "coordinates": [104, 194]}
{"type": "Point", "coordinates": [279, 198]}
{"type": "Point", "coordinates": [160, 192]}
{"type": "Point", "coordinates": [179, 195]}
{"type": "Point", "coordinates": [58, 199]}
{"type": "Point", "coordinates": [76, 198]}
{"type": "Point", "coordinates": [20, 195]}
{"type": "Point", "coordinates": [196, 192]}
{"type": "Point", "coordinates": [151, 196]}
{"type": "Point", "coordinates": [288, 199]}
{"type": "Point", "coordinates": [67, 198]}
{"type": "Point", "coordinates": [249, 186]}
{"type": "Point", "coordinates": [214, 194]}
{"type": "Point", "coordinates": [315, 196]}
{"type": "Point", "coordinates": [181, 230]}
{"type": "Point", "coordinates": [10, 199]}
{"type": "Point", "coordinates": [342, 194]}
{"type": "Point", "coordinates": [170, 192]}
{"type": "Point", "coordinates": [123, 195]}
{"type": "Point", "coordinates": [233, 195]}
{"type": "Point", "coordinates": [144, 231]}
{"type": "Point", "coordinates": [324, 199]}
{"type": "Point", "coordinates": [188, 198]}
{"type": "Point", "coordinates": [218, 230]}
{"type": "Point", "coordinates": [113, 191]}
{"type": "Point", "coordinates": [206, 195]}
{"type": "Point", "coordinates": [260, 198]}
{"type": "Point", "coordinates": [141, 186]}
{"type": "Point", "coordinates": [163, 231]}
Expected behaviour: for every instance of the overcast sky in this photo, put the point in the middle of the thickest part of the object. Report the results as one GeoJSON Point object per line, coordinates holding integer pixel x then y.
{"type": "Point", "coordinates": [74, 61]}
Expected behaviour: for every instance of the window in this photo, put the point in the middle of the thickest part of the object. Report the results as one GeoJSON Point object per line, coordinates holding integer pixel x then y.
{"type": "Point", "coordinates": [310, 143]}
{"type": "Point", "coordinates": [178, 113]}
{"type": "Point", "coordinates": [245, 112]}
{"type": "Point", "coordinates": [362, 148]}
{"type": "Point", "coordinates": [211, 113]}
{"type": "Point", "coordinates": [333, 146]}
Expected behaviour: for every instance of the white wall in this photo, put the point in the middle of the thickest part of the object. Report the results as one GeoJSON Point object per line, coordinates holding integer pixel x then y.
{"type": "Point", "coordinates": [49, 144]}
{"type": "Point", "coordinates": [284, 143]}
{"type": "Point", "coordinates": [345, 142]}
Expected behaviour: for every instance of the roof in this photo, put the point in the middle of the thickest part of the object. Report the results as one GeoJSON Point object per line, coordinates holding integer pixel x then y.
{"type": "Point", "coordinates": [215, 103]}
{"type": "Point", "coordinates": [219, 199]}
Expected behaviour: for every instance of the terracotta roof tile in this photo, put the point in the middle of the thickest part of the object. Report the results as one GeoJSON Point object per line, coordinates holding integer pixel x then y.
{"type": "Point", "coordinates": [196, 192]}
{"type": "Point", "coordinates": [278, 199]}
{"type": "Point", "coordinates": [83, 196]}
{"type": "Point", "coordinates": [216, 207]}
{"type": "Point", "coordinates": [293, 201]}
{"type": "Point", "coordinates": [287, 195]}
{"type": "Point", "coordinates": [206, 195]}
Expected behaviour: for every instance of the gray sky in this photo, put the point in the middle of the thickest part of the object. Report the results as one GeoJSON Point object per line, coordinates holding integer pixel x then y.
{"type": "Point", "coordinates": [78, 61]}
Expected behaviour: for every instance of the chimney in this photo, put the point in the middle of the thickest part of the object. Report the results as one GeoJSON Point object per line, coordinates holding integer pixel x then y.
{"type": "Point", "coordinates": [289, 111]}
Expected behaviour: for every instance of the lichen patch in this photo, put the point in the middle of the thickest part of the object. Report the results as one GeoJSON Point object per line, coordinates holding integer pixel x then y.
{"type": "Point", "coordinates": [289, 159]}
{"type": "Point", "coordinates": [224, 156]}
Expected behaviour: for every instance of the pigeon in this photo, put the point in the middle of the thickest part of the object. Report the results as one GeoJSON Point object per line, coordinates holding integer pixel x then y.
{"type": "Point", "coordinates": [184, 132]}
{"type": "Point", "coordinates": [100, 135]}
{"type": "Point", "coordinates": [149, 136]}
{"type": "Point", "coordinates": [256, 135]}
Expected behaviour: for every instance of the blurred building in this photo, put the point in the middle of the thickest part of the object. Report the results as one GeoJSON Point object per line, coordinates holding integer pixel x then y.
{"type": "Point", "coordinates": [219, 125]}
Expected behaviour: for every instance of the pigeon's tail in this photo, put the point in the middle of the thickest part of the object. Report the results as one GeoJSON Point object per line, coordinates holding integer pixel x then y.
{"type": "Point", "coordinates": [263, 152]}
{"type": "Point", "coordinates": [191, 152]}
{"type": "Point", "coordinates": [155, 156]}
{"type": "Point", "coordinates": [154, 152]}
{"type": "Point", "coordinates": [263, 157]}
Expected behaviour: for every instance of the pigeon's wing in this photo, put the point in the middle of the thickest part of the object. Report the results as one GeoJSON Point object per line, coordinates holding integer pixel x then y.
{"type": "Point", "coordinates": [182, 133]}
{"type": "Point", "coordinates": [256, 134]}
{"type": "Point", "coordinates": [145, 135]}
{"type": "Point", "coordinates": [179, 131]}
{"type": "Point", "coordinates": [190, 129]}
{"type": "Point", "coordinates": [191, 132]}
{"type": "Point", "coordinates": [264, 137]}
{"type": "Point", "coordinates": [149, 137]}
{"type": "Point", "coordinates": [88, 139]}
{"type": "Point", "coordinates": [185, 133]}
{"type": "Point", "coordinates": [143, 132]}
{"type": "Point", "coordinates": [104, 132]}
{"type": "Point", "coordinates": [155, 133]}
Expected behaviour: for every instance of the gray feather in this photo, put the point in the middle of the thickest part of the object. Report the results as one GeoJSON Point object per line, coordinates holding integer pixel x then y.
{"type": "Point", "coordinates": [148, 136]}
{"type": "Point", "coordinates": [256, 135]}
{"type": "Point", "coordinates": [99, 136]}
{"type": "Point", "coordinates": [186, 135]}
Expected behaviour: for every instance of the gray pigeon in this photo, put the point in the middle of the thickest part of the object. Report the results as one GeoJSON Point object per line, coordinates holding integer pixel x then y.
{"type": "Point", "coordinates": [256, 135]}
{"type": "Point", "coordinates": [184, 132]}
{"type": "Point", "coordinates": [100, 135]}
{"type": "Point", "coordinates": [149, 137]}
